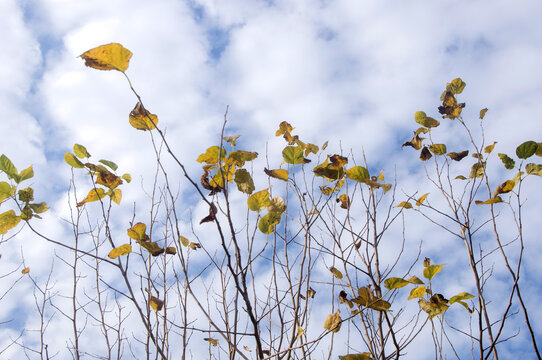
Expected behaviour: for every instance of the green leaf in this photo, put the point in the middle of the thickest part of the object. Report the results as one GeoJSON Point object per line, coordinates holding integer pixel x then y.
{"type": "Point", "coordinates": [26, 174]}
{"type": "Point", "coordinates": [80, 151]}
{"type": "Point", "coordinates": [539, 150]}
{"type": "Point", "coordinates": [527, 149]}
{"type": "Point", "coordinates": [258, 201]}
{"type": "Point", "coordinates": [357, 173]}
{"type": "Point", "coordinates": [477, 170]}
{"type": "Point", "coordinates": [8, 220]}
{"type": "Point", "coordinates": [71, 160]}
{"type": "Point", "coordinates": [26, 195]}
{"type": "Point", "coordinates": [7, 166]}
{"type": "Point", "coordinates": [39, 208]}
{"type": "Point", "coordinates": [430, 271]}
{"type": "Point", "coordinates": [508, 162]}
{"type": "Point", "coordinates": [267, 223]}
{"type": "Point", "coordinates": [428, 122]}
{"type": "Point", "coordinates": [6, 190]}
{"type": "Point", "coordinates": [415, 280]}
{"type": "Point", "coordinates": [244, 181]}
{"type": "Point", "coordinates": [419, 115]}
{"type": "Point", "coordinates": [336, 272]}
{"type": "Point", "coordinates": [110, 164]}
{"type": "Point", "coordinates": [438, 149]}
{"type": "Point", "coordinates": [395, 283]}
{"type": "Point", "coordinates": [534, 169]}
{"type": "Point", "coordinates": [294, 155]}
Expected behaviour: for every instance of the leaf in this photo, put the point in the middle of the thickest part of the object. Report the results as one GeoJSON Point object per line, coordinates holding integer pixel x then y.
{"type": "Point", "coordinates": [26, 174]}
{"type": "Point", "coordinates": [395, 283]}
{"type": "Point", "coordinates": [244, 181]}
{"type": "Point", "coordinates": [71, 160]}
{"type": "Point", "coordinates": [213, 342]}
{"type": "Point", "coordinates": [345, 201]}
{"type": "Point", "coordinates": [267, 222]}
{"type": "Point", "coordinates": [311, 148]}
{"type": "Point", "coordinates": [6, 191]}
{"type": "Point", "coordinates": [26, 195]}
{"type": "Point", "coordinates": [333, 322]}
{"type": "Point", "coordinates": [232, 140]}
{"type": "Point", "coordinates": [276, 204]}
{"type": "Point", "coordinates": [137, 232]}
{"type": "Point", "coordinates": [404, 204]}
{"type": "Point", "coordinates": [337, 162]}
{"type": "Point", "coordinates": [294, 155]}
{"type": "Point", "coordinates": [93, 195]}
{"type": "Point", "coordinates": [477, 170]}
{"type": "Point", "coordinates": [417, 292]}
{"type": "Point", "coordinates": [508, 162]}
{"type": "Point", "coordinates": [212, 212]}
{"type": "Point", "coordinates": [419, 115]}
{"type": "Point", "coordinates": [483, 113]}
{"type": "Point", "coordinates": [121, 250]}
{"type": "Point", "coordinates": [477, 156]}
{"type": "Point", "coordinates": [109, 164]}
{"type": "Point", "coordinates": [425, 154]}
{"type": "Point", "coordinates": [38, 208]}
{"type": "Point", "coordinates": [460, 296]}
{"type": "Point", "coordinates": [430, 271]}
{"type": "Point", "coordinates": [458, 156]}
{"type": "Point", "coordinates": [184, 241]}
{"type": "Point", "coordinates": [415, 280]}
{"type": "Point", "coordinates": [116, 196]}
{"type": "Point", "coordinates": [311, 293]}
{"type": "Point", "coordinates": [241, 156]}
{"type": "Point", "coordinates": [422, 198]}
{"type": "Point", "coordinates": [428, 122]}
{"type": "Point", "coordinates": [431, 309]}
{"type": "Point", "coordinates": [108, 57]}
{"type": "Point", "coordinates": [127, 177]}
{"type": "Point", "coordinates": [7, 166]}
{"type": "Point", "coordinates": [460, 177]}
{"type": "Point", "coordinates": [171, 250]}
{"type": "Point", "coordinates": [362, 356]}
{"type": "Point", "coordinates": [438, 149]}
{"type": "Point", "coordinates": [195, 246]}
{"type": "Point", "coordinates": [141, 119]}
{"type": "Point", "coordinates": [259, 200]}
{"type": "Point", "coordinates": [505, 187]}
{"type": "Point", "coordinates": [8, 220]}
{"type": "Point", "coordinates": [151, 247]}
{"type": "Point", "coordinates": [327, 170]}
{"type": "Point", "coordinates": [80, 151]}
{"type": "Point", "coordinates": [534, 169]}
{"type": "Point", "coordinates": [527, 149]}
{"type": "Point", "coordinates": [277, 174]}
{"type": "Point", "coordinates": [283, 128]}
{"type": "Point", "coordinates": [25, 271]}
{"type": "Point", "coordinates": [300, 331]}
{"type": "Point", "coordinates": [488, 149]}
{"type": "Point", "coordinates": [156, 304]}
{"type": "Point", "coordinates": [456, 86]}
{"type": "Point", "coordinates": [415, 142]}
{"type": "Point", "coordinates": [539, 150]}
{"type": "Point", "coordinates": [212, 155]}
{"type": "Point", "coordinates": [493, 200]}
{"type": "Point", "coordinates": [357, 173]}
{"type": "Point", "coordinates": [108, 179]}
{"type": "Point", "coordinates": [336, 272]}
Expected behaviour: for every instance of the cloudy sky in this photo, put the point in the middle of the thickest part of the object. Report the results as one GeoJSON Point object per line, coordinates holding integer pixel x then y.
{"type": "Point", "coordinates": [349, 72]}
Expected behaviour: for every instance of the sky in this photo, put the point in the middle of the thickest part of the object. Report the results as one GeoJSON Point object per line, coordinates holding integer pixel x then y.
{"type": "Point", "coordinates": [352, 73]}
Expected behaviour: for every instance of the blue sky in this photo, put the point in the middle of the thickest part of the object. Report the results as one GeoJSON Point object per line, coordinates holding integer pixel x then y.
{"type": "Point", "coordinates": [349, 72]}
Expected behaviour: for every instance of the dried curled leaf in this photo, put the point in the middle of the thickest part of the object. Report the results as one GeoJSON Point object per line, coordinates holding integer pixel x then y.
{"type": "Point", "coordinates": [141, 119]}
{"type": "Point", "coordinates": [156, 304]}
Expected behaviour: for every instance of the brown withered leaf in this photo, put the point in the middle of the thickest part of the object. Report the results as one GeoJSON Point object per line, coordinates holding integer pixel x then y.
{"type": "Point", "coordinates": [211, 217]}
{"type": "Point", "coordinates": [458, 156]}
{"type": "Point", "coordinates": [207, 185]}
{"type": "Point", "coordinates": [283, 128]}
{"type": "Point", "coordinates": [108, 179]}
{"type": "Point", "coordinates": [425, 154]}
{"type": "Point", "coordinates": [337, 162]}
{"type": "Point", "coordinates": [415, 142]}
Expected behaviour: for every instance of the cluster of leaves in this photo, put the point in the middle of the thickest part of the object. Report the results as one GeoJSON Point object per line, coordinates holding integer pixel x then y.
{"type": "Point", "coordinates": [432, 303]}
{"type": "Point", "coordinates": [24, 197]}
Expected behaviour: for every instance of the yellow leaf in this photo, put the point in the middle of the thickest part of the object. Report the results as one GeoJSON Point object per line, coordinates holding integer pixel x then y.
{"type": "Point", "coordinates": [93, 195]}
{"type": "Point", "coordinates": [137, 232]}
{"type": "Point", "coordinates": [151, 247]}
{"type": "Point", "coordinates": [213, 342]}
{"type": "Point", "coordinates": [278, 174]}
{"type": "Point", "coordinates": [483, 113]}
{"type": "Point", "coordinates": [405, 204]}
{"type": "Point", "coordinates": [493, 200]}
{"type": "Point", "coordinates": [488, 149]}
{"type": "Point", "coordinates": [156, 304]}
{"type": "Point", "coordinates": [362, 356]}
{"type": "Point", "coordinates": [116, 196]}
{"type": "Point", "coordinates": [421, 199]}
{"type": "Point", "coordinates": [277, 205]}
{"type": "Point", "coordinates": [171, 250]}
{"type": "Point", "coordinates": [417, 292]}
{"type": "Point", "coordinates": [300, 331]}
{"type": "Point", "coordinates": [258, 201]}
{"type": "Point", "coordinates": [108, 57]}
{"type": "Point", "coordinates": [141, 119]}
{"type": "Point", "coordinates": [25, 271]}
{"type": "Point", "coordinates": [184, 241]}
{"type": "Point", "coordinates": [195, 246]}
{"type": "Point", "coordinates": [345, 201]}
{"type": "Point", "coordinates": [121, 250]}
{"type": "Point", "coordinates": [283, 128]}
{"type": "Point", "coordinates": [381, 175]}
{"type": "Point", "coordinates": [333, 322]}
{"type": "Point", "coordinates": [336, 272]}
